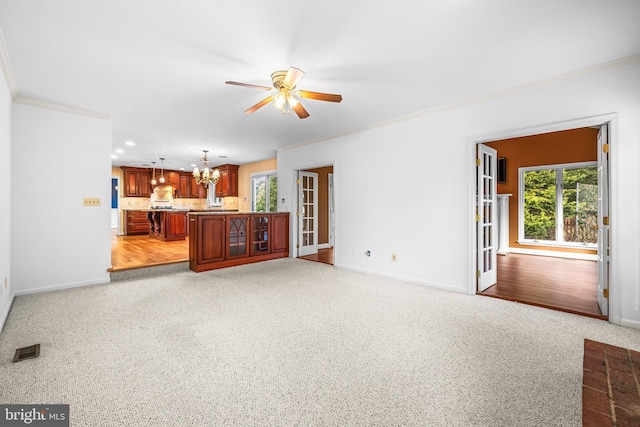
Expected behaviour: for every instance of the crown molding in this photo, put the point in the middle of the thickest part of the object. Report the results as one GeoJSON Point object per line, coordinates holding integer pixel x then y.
{"type": "Point", "coordinates": [5, 64]}
{"type": "Point", "coordinates": [61, 107]}
{"type": "Point", "coordinates": [622, 62]}
{"type": "Point", "coordinates": [6, 68]}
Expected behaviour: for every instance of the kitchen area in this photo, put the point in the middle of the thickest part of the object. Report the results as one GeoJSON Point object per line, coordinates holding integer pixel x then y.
{"type": "Point", "coordinates": [151, 224]}
{"type": "Point", "coordinates": [165, 217]}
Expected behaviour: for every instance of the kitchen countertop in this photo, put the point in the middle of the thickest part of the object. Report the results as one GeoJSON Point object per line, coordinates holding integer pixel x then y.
{"type": "Point", "coordinates": [178, 210]}
{"type": "Point", "coordinates": [165, 210]}
{"type": "Point", "coordinates": [218, 212]}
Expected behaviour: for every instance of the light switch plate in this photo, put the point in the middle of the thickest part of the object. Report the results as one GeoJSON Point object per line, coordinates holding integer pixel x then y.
{"type": "Point", "coordinates": [91, 201]}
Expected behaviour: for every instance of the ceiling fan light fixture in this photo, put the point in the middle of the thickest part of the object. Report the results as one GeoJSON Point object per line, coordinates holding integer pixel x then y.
{"type": "Point", "coordinates": [284, 83]}
{"type": "Point", "coordinates": [285, 101]}
{"type": "Point", "coordinates": [280, 101]}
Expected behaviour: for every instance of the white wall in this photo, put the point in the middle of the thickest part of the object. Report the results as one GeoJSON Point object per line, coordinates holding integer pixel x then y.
{"type": "Point", "coordinates": [6, 295]}
{"type": "Point", "coordinates": [407, 188]}
{"type": "Point", "coordinates": [57, 159]}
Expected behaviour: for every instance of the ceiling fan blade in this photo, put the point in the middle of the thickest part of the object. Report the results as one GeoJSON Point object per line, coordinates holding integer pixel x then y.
{"type": "Point", "coordinates": [248, 85]}
{"type": "Point", "coordinates": [293, 77]}
{"type": "Point", "coordinates": [319, 96]}
{"type": "Point", "coordinates": [260, 104]}
{"type": "Point", "coordinates": [300, 111]}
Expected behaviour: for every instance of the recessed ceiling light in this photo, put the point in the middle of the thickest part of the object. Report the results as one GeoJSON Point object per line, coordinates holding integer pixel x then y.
{"type": "Point", "coordinates": [119, 150]}
{"type": "Point", "coordinates": [130, 143]}
{"type": "Point", "coordinates": [113, 156]}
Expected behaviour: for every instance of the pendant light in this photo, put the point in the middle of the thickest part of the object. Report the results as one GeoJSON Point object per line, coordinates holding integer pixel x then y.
{"type": "Point", "coordinates": [153, 175]}
{"type": "Point", "coordinates": [161, 180]}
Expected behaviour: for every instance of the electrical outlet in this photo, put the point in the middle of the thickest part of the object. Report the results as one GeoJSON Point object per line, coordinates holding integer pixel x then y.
{"type": "Point", "coordinates": [394, 257]}
{"type": "Point", "coordinates": [91, 201]}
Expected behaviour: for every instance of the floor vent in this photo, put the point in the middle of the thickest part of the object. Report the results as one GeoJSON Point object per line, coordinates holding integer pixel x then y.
{"type": "Point", "coordinates": [27, 353]}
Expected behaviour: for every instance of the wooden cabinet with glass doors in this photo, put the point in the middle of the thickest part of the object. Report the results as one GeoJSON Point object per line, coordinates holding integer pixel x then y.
{"type": "Point", "coordinates": [218, 240]}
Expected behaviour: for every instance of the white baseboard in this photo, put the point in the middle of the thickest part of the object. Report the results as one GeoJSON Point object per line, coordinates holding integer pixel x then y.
{"type": "Point", "coordinates": [404, 279]}
{"type": "Point", "coordinates": [63, 286]}
{"type": "Point", "coordinates": [324, 246]}
{"type": "Point", "coordinates": [630, 323]}
{"type": "Point", "coordinates": [557, 254]}
{"type": "Point", "coordinates": [5, 314]}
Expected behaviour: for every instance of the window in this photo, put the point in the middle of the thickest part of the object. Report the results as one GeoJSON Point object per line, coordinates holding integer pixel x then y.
{"type": "Point", "coordinates": [212, 199]}
{"type": "Point", "coordinates": [558, 205]}
{"type": "Point", "coordinates": [264, 194]}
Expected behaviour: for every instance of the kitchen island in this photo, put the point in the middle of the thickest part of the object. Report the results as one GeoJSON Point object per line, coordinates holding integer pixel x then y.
{"type": "Point", "coordinates": [222, 239]}
{"type": "Point", "coordinates": [167, 224]}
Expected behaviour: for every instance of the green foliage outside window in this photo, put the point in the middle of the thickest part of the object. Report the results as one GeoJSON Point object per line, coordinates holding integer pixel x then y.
{"type": "Point", "coordinates": [273, 194]}
{"type": "Point", "coordinates": [580, 205]}
{"type": "Point", "coordinates": [579, 214]}
{"type": "Point", "coordinates": [540, 205]}
{"type": "Point", "coordinates": [261, 193]}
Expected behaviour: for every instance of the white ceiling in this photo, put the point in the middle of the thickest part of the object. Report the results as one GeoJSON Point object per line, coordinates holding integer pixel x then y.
{"type": "Point", "coordinates": [158, 67]}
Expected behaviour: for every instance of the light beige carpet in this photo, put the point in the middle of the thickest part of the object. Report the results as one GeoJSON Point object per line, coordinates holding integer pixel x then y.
{"type": "Point", "coordinates": [296, 343]}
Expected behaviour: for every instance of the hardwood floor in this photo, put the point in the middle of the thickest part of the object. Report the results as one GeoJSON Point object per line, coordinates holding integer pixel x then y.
{"type": "Point", "coordinates": [324, 255]}
{"type": "Point", "coordinates": [558, 283]}
{"type": "Point", "coordinates": [142, 251]}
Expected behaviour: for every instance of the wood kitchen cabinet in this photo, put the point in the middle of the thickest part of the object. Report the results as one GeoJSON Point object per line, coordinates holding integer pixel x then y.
{"type": "Point", "coordinates": [137, 182]}
{"type": "Point", "coordinates": [218, 240]}
{"type": "Point", "coordinates": [197, 191]}
{"type": "Point", "coordinates": [237, 236]}
{"type": "Point", "coordinates": [184, 185]}
{"type": "Point", "coordinates": [227, 185]}
{"type": "Point", "coordinates": [279, 227]}
{"type": "Point", "coordinates": [207, 235]}
{"type": "Point", "coordinates": [172, 178]}
{"type": "Point", "coordinates": [136, 222]}
{"type": "Point", "coordinates": [260, 233]}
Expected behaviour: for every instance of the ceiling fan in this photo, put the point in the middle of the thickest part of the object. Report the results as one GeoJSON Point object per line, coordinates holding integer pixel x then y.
{"type": "Point", "coordinates": [286, 96]}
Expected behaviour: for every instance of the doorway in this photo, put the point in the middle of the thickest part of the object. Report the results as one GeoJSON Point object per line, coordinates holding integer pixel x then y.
{"type": "Point", "coordinates": [316, 214]}
{"type": "Point", "coordinates": [115, 217]}
{"type": "Point", "coordinates": [550, 270]}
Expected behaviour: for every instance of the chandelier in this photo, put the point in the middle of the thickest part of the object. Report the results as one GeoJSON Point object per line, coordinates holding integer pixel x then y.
{"type": "Point", "coordinates": [205, 177]}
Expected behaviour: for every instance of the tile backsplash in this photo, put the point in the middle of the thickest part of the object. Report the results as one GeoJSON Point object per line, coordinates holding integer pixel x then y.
{"type": "Point", "coordinates": [133, 203]}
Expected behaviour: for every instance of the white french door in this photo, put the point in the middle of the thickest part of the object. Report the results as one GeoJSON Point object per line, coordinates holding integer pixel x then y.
{"type": "Point", "coordinates": [332, 226]}
{"type": "Point", "coordinates": [603, 220]}
{"type": "Point", "coordinates": [307, 213]}
{"type": "Point", "coordinates": [486, 217]}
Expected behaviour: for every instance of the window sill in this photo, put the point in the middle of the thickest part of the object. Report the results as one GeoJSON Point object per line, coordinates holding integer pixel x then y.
{"type": "Point", "coordinates": [558, 245]}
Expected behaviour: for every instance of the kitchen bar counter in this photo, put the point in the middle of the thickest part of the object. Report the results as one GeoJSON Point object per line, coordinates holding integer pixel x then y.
{"type": "Point", "coordinates": [218, 212]}
{"type": "Point", "coordinates": [225, 239]}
